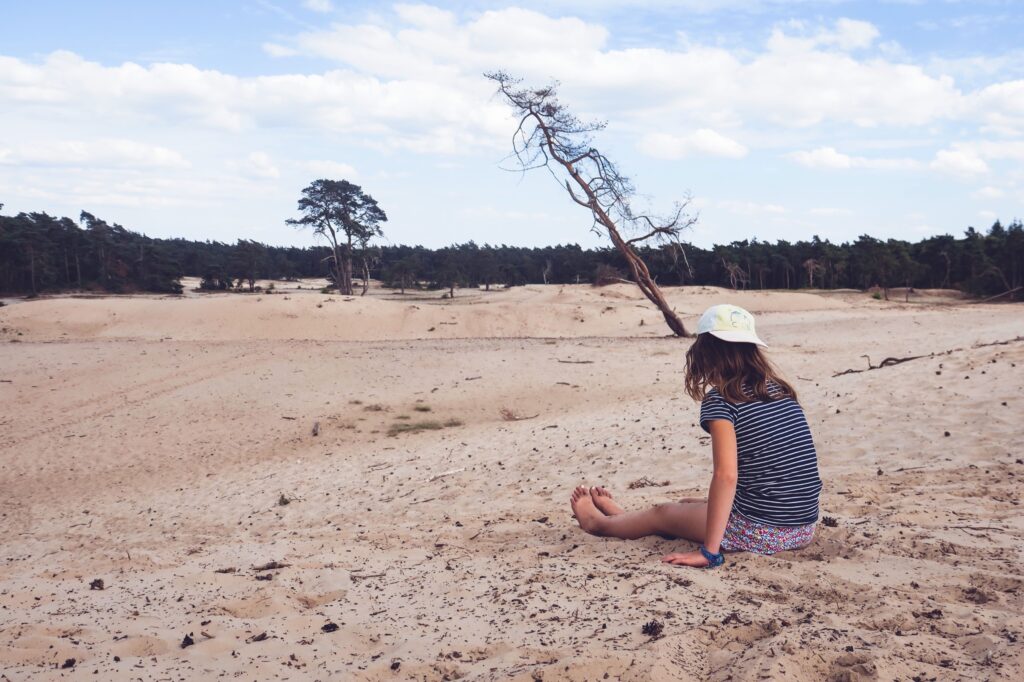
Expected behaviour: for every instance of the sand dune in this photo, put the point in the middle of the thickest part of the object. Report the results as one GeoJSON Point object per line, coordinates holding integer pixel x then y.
{"type": "Point", "coordinates": [149, 443]}
{"type": "Point", "coordinates": [531, 311]}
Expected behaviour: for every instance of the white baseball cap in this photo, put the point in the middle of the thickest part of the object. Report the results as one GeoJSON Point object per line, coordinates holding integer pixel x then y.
{"type": "Point", "coordinates": [729, 323]}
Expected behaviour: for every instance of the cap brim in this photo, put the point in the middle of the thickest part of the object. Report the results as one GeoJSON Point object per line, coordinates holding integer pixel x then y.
{"type": "Point", "coordinates": [737, 336]}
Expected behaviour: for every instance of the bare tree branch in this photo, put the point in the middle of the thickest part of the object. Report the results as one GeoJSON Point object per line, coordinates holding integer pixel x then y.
{"type": "Point", "coordinates": [549, 134]}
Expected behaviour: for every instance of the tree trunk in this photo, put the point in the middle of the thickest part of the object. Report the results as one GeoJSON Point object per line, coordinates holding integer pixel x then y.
{"type": "Point", "coordinates": [32, 268]}
{"type": "Point", "coordinates": [78, 269]}
{"type": "Point", "coordinates": [346, 273]}
{"type": "Point", "coordinates": [366, 277]}
{"type": "Point", "coordinates": [641, 275]}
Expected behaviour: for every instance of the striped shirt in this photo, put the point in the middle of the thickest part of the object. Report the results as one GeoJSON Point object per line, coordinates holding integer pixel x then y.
{"type": "Point", "coordinates": [778, 481]}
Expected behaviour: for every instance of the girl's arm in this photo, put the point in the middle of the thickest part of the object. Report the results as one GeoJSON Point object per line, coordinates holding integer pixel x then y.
{"type": "Point", "coordinates": [723, 482]}
{"type": "Point", "coordinates": [720, 496]}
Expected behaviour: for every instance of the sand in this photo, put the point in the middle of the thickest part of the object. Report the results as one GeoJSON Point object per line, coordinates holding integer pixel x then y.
{"type": "Point", "coordinates": [148, 442]}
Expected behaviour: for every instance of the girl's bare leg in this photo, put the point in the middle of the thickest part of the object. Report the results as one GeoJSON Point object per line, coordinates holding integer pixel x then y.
{"type": "Point", "coordinates": [685, 520]}
{"type": "Point", "coordinates": [603, 500]}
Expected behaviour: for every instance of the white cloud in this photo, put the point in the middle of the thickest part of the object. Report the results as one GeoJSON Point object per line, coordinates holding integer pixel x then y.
{"type": "Point", "coordinates": [318, 5]}
{"type": "Point", "coordinates": [750, 207]}
{"type": "Point", "coordinates": [960, 162]}
{"type": "Point", "coordinates": [829, 157]}
{"type": "Point", "coordinates": [824, 157]}
{"type": "Point", "coordinates": [275, 50]}
{"type": "Point", "coordinates": [829, 211]}
{"type": "Point", "coordinates": [331, 169]}
{"type": "Point", "coordinates": [703, 142]}
{"type": "Point", "coordinates": [415, 83]}
{"type": "Point", "coordinates": [793, 82]}
{"type": "Point", "coordinates": [256, 165]}
{"type": "Point", "coordinates": [845, 34]}
{"type": "Point", "coordinates": [425, 16]}
{"type": "Point", "coordinates": [988, 193]}
{"type": "Point", "coordinates": [102, 153]}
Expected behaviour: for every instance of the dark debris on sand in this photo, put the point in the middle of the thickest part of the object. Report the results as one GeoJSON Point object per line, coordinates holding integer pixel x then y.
{"type": "Point", "coordinates": [653, 629]}
{"type": "Point", "coordinates": [647, 483]}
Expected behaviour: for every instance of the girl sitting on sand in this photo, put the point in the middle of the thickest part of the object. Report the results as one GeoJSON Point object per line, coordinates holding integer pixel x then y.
{"type": "Point", "coordinates": [764, 490]}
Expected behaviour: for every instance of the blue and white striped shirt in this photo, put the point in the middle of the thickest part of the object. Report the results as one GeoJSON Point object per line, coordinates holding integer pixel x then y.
{"type": "Point", "coordinates": [778, 482]}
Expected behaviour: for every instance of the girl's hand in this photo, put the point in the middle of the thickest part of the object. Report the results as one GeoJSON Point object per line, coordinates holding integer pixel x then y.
{"type": "Point", "coordinates": [695, 559]}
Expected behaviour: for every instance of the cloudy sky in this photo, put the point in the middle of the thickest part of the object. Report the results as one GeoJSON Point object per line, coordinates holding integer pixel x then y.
{"type": "Point", "coordinates": [779, 118]}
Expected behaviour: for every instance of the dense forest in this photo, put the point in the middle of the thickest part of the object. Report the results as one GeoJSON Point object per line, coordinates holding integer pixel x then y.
{"type": "Point", "coordinates": [40, 253]}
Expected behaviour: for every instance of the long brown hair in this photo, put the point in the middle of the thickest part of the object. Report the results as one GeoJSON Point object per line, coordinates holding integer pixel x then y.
{"type": "Point", "coordinates": [740, 371]}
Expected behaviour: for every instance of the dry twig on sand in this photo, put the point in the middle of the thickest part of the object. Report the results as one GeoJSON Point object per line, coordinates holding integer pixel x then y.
{"type": "Point", "coordinates": [646, 483]}
{"type": "Point", "coordinates": [446, 473]}
{"type": "Point", "coordinates": [511, 415]}
{"type": "Point", "coordinates": [888, 362]}
{"type": "Point", "coordinates": [270, 566]}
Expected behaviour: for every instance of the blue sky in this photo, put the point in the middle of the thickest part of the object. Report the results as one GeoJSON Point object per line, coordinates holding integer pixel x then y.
{"type": "Point", "coordinates": [779, 119]}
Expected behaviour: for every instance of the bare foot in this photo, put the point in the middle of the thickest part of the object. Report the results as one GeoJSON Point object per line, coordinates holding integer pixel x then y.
{"type": "Point", "coordinates": [603, 500]}
{"type": "Point", "coordinates": [586, 513]}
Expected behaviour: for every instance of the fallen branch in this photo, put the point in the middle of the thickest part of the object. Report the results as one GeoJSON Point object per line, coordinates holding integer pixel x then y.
{"type": "Point", "coordinates": [888, 362]}
{"type": "Point", "coordinates": [270, 566]}
{"type": "Point", "coordinates": [576, 362]}
{"type": "Point", "coordinates": [1005, 293]}
{"type": "Point", "coordinates": [447, 473]}
{"type": "Point", "coordinates": [1000, 343]}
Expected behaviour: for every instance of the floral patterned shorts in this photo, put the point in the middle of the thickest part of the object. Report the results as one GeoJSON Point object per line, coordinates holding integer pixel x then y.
{"type": "Point", "coordinates": [744, 535]}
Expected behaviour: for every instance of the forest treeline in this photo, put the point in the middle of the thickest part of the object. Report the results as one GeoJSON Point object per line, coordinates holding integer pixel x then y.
{"type": "Point", "coordinates": [40, 253]}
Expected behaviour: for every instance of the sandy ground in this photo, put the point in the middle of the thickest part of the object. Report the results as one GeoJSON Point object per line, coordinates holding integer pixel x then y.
{"type": "Point", "coordinates": [150, 442]}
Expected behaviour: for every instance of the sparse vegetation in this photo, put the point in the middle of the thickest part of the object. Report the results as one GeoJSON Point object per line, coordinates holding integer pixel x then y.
{"type": "Point", "coordinates": [374, 408]}
{"type": "Point", "coordinates": [422, 408]}
{"type": "Point", "coordinates": [414, 427]}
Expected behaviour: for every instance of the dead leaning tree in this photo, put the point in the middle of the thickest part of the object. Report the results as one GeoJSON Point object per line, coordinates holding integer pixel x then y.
{"type": "Point", "coordinates": [547, 133]}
